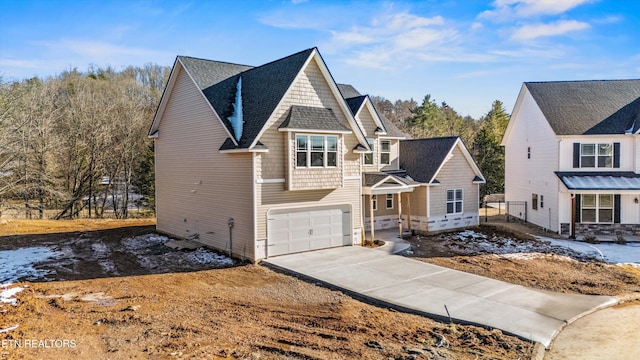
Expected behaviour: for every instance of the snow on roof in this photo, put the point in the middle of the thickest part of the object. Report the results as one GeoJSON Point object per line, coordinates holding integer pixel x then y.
{"type": "Point", "coordinates": [600, 181]}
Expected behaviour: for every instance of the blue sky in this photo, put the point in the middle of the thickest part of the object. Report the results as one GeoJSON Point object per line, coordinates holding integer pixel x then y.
{"type": "Point", "coordinates": [467, 53]}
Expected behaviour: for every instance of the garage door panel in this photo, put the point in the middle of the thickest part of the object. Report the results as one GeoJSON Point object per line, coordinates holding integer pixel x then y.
{"type": "Point", "coordinates": [298, 230]}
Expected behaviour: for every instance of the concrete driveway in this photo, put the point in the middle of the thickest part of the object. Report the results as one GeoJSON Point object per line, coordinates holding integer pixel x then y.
{"type": "Point", "coordinates": [415, 286]}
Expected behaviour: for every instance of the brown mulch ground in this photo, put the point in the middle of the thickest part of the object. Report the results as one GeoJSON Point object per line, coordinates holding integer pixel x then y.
{"type": "Point", "coordinates": [524, 261]}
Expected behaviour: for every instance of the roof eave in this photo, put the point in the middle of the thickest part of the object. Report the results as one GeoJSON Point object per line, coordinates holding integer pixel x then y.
{"type": "Point", "coordinates": [315, 131]}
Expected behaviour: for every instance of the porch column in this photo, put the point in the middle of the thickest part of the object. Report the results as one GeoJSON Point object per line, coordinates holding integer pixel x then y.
{"type": "Point", "coordinates": [409, 211]}
{"type": "Point", "coordinates": [573, 218]}
{"type": "Point", "coordinates": [373, 231]}
{"type": "Point", "coordinates": [400, 213]}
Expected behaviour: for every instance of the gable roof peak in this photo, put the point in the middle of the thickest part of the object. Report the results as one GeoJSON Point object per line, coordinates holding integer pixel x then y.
{"type": "Point", "coordinates": [587, 107]}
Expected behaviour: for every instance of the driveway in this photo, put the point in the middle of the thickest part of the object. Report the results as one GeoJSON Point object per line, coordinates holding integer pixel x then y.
{"type": "Point", "coordinates": [409, 285]}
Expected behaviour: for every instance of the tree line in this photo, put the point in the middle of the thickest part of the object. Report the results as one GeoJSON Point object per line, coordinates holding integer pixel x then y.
{"type": "Point", "coordinates": [482, 136]}
{"type": "Point", "coordinates": [76, 142]}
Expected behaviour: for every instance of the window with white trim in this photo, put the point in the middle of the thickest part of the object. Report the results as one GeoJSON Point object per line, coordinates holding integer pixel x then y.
{"type": "Point", "coordinates": [385, 152]}
{"type": "Point", "coordinates": [389, 201]}
{"type": "Point", "coordinates": [375, 202]}
{"type": "Point", "coordinates": [534, 201]}
{"type": "Point", "coordinates": [454, 201]}
{"type": "Point", "coordinates": [596, 155]}
{"type": "Point", "coordinates": [368, 158]}
{"type": "Point", "coordinates": [597, 208]}
{"type": "Point", "coordinates": [316, 151]}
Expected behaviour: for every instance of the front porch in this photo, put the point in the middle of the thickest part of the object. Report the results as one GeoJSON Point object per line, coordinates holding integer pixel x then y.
{"type": "Point", "coordinates": [387, 204]}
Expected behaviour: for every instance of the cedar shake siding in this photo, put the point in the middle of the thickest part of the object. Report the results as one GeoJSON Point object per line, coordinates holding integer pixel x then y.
{"type": "Point", "coordinates": [198, 188]}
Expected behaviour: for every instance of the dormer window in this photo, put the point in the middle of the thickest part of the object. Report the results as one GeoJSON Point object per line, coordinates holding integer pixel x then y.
{"type": "Point", "coordinates": [385, 152]}
{"type": "Point", "coordinates": [316, 151]}
{"type": "Point", "coordinates": [368, 158]}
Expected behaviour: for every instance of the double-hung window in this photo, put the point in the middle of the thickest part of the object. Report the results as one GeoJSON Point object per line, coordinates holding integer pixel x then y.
{"type": "Point", "coordinates": [389, 201]}
{"type": "Point", "coordinates": [454, 201]}
{"type": "Point", "coordinates": [368, 158]}
{"type": "Point", "coordinates": [597, 208]}
{"type": "Point", "coordinates": [385, 152]}
{"type": "Point", "coordinates": [596, 155]}
{"type": "Point", "coordinates": [374, 200]}
{"type": "Point", "coordinates": [316, 151]}
{"type": "Point", "coordinates": [534, 201]}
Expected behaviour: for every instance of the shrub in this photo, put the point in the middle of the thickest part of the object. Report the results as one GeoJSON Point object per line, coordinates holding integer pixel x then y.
{"type": "Point", "coordinates": [620, 239]}
{"type": "Point", "coordinates": [591, 239]}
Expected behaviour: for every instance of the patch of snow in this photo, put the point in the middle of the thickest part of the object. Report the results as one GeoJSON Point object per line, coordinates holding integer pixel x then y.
{"type": "Point", "coordinates": [7, 295]}
{"type": "Point", "coordinates": [608, 252]}
{"type": "Point", "coordinates": [18, 264]}
{"type": "Point", "coordinates": [143, 241]}
{"type": "Point", "coordinates": [470, 234]}
{"type": "Point", "coordinates": [108, 266]}
{"type": "Point", "coordinates": [204, 256]}
{"type": "Point", "coordinates": [100, 250]}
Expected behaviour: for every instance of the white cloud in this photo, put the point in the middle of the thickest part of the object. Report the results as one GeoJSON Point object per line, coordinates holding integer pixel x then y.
{"type": "Point", "coordinates": [99, 50]}
{"type": "Point", "coordinates": [476, 26]}
{"type": "Point", "coordinates": [534, 31]}
{"type": "Point", "coordinates": [506, 10]}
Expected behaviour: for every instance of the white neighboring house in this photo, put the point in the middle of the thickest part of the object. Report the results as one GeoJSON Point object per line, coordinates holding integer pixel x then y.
{"type": "Point", "coordinates": [572, 152]}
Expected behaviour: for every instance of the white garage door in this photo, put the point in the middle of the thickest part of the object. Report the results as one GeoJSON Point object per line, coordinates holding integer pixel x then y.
{"type": "Point", "coordinates": [296, 230]}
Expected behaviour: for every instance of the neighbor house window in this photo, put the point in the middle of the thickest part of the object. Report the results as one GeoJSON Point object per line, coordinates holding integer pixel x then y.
{"type": "Point", "coordinates": [597, 208]}
{"type": "Point", "coordinates": [596, 155]}
{"type": "Point", "coordinates": [534, 201]}
{"type": "Point", "coordinates": [316, 151]}
{"type": "Point", "coordinates": [389, 201]}
{"type": "Point", "coordinates": [541, 201]}
{"type": "Point", "coordinates": [368, 158]}
{"type": "Point", "coordinates": [375, 202]}
{"type": "Point", "coordinates": [385, 152]}
{"type": "Point", "coordinates": [529, 153]}
{"type": "Point", "coordinates": [454, 201]}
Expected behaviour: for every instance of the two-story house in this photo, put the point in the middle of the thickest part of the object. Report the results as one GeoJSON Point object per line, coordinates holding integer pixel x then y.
{"type": "Point", "coordinates": [573, 154]}
{"type": "Point", "coordinates": [277, 159]}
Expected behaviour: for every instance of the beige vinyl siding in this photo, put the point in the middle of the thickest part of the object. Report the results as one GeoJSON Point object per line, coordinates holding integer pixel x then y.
{"type": "Point", "coordinates": [393, 156]}
{"type": "Point", "coordinates": [309, 89]}
{"type": "Point", "coordinates": [366, 122]}
{"type": "Point", "coordinates": [198, 188]}
{"type": "Point", "coordinates": [315, 178]}
{"type": "Point", "coordinates": [382, 205]}
{"type": "Point", "coordinates": [418, 202]}
{"type": "Point", "coordinates": [455, 174]}
{"type": "Point", "coordinates": [274, 196]}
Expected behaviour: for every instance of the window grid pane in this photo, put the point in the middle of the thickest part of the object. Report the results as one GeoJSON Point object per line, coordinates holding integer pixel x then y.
{"type": "Point", "coordinates": [317, 142]}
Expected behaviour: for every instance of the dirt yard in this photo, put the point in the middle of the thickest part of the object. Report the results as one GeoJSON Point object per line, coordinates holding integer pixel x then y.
{"type": "Point", "coordinates": [148, 310]}
{"type": "Point", "coordinates": [500, 255]}
{"type": "Point", "coordinates": [126, 295]}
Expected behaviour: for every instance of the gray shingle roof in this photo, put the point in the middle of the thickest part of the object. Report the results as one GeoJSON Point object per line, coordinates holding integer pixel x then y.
{"type": "Point", "coordinates": [312, 118]}
{"type": "Point", "coordinates": [392, 129]}
{"type": "Point", "coordinates": [208, 72]}
{"type": "Point", "coordinates": [588, 107]}
{"type": "Point", "coordinates": [348, 91]}
{"type": "Point", "coordinates": [262, 89]}
{"type": "Point", "coordinates": [355, 100]}
{"type": "Point", "coordinates": [421, 158]}
{"type": "Point", "coordinates": [355, 103]}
